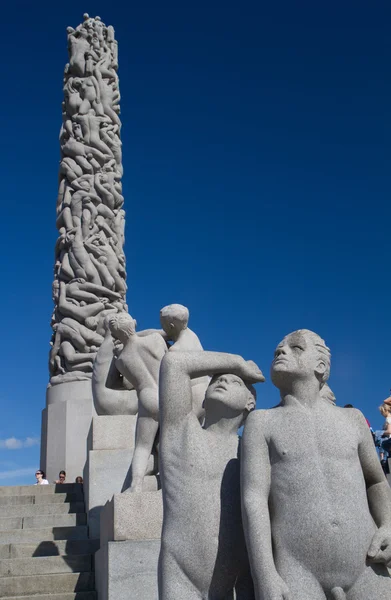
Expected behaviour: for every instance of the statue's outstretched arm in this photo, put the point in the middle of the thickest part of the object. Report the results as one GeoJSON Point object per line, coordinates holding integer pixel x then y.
{"type": "Point", "coordinates": [177, 370]}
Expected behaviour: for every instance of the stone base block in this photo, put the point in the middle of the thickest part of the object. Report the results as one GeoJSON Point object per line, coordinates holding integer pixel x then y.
{"type": "Point", "coordinates": [107, 473]}
{"type": "Point", "coordinates": [132, 517]}
{"type": "Point", "coordinates": [127, 570]}
{"type": "Point", "coordinates": [65, 426]}
{"type": "Point", "coordinates": [113, 433]}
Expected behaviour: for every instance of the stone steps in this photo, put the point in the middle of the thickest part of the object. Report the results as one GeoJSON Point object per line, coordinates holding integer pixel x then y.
{"type": "Point", "coordinates": [51, 596]}
{"type": "Point", "coordinates": [25, 585]}
{"type": "Point", "coordinates": [41, 490]}
{"type": "Point", "coordinates": [45, 565]}
{"type": "Point", "coordinates": [49, 548]}
{"type": "Point", "coordinates": [31, 510]}
{"type": "Point", "coordinates": [39, 521]}
{"type": "Point", "coordinates": [45, 553]}
{"type": "Point", "coordinates": [43, 534]}
{"type": "Point", "coordinates": [41, 499]}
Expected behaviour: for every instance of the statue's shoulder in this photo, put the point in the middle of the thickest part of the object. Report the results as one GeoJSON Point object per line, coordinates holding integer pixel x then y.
{"type": "Point", "coordinates": [261, 416]}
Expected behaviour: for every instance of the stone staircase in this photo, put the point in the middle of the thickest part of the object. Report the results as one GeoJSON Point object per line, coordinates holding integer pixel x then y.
{"type": "Point", "coordinates": [45, 552]}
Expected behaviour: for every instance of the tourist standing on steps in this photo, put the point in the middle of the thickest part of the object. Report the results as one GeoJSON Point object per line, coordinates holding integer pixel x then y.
{"type": "Point", "coordinates": [40, 475]}
{"type": "Point", "coordinates": [61, 477]}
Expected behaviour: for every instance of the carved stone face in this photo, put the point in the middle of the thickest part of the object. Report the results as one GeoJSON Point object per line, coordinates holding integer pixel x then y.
{"type": "Point", "coordinates": [296, 357]}
{"type": "Point", "coordinates": [230, 391]}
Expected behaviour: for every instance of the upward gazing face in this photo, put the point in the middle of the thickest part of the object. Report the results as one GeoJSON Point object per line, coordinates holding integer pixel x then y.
{"type": "Point", "coordinates": [296, 357]}
{"type": "Point", "coordinates": [231, 391]}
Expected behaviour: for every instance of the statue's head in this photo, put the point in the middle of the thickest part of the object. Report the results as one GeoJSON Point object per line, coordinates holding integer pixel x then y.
{"type": "Point", "coordinates": [228, 392]}
{"type": "Point", "coordinates": [122, 326]}
{"type": "Point", "coordinates": [301, 355]}
{"type": "Point", "coordinates": [174, 319]}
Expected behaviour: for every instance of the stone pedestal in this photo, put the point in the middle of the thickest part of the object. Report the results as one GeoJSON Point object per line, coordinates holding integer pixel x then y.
{"type": "Point", "coordinates": [127, 570]}
{"type": "Point", "coordinates": [111, 443]}
{"type": "Point", "coordinates": [65, 425]}
{"type": "Point", "coordinates": [126, 564]}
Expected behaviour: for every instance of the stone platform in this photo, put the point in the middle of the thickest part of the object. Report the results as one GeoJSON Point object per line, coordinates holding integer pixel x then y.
{"type": "Point", "coordinates": [127, 561]}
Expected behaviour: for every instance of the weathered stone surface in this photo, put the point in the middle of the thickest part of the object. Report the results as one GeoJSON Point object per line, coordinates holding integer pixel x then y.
{"type": "Point", "coordinates": [45, 584]}
{"type": "Point", "coordinates": [14, 536]}
{"type": "Point", "coordinates": [69, 412]}
{"type": "Point", "coordinates": [11, 523]}
{"type": "Point", "coordinates": [12, 567]}
{"type": "Point", "coordinates": [55, 498]}
{"type": "Point", "coordinates": [31, 510]}
{"type": "Point", "coordinates": [311, 476]}
{"type": "Point", "coordinates": [108, 473]}
{"type": "Point", "coordinates": [49, 548]}
{"type": "Point", "coordinates": [54, 520]}
{"type": "Point", "coordinates": [60, 596]}
{"type": "Point", "coordinates": [127, 569]}
{"type": "Point", "coordinates": [39, 490]}
{"type": "Point", "coordinates": [132, 516]}
{"type": "Point", "coordinates": [113, 432]}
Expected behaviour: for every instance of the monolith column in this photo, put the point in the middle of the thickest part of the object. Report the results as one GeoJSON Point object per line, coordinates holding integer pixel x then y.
{"type": "Point", "coordinates": [89, 271]}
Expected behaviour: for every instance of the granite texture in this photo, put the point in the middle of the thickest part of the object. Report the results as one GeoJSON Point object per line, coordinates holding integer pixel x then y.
{"type": "Point", "coordinates": [107, 472]}
{"type": "Point", "coordinates": [132, 516]}
{"type": "Point", "coordinates": [127, 570]}
{"type": "Point", "coordinates": [312, 483]}
{"type": "Point", "coordinates": [67, 420]}
{"type": "Point", "coordinates": [203, 551]}
{"type": "Point", "coordinates": [113, 432]}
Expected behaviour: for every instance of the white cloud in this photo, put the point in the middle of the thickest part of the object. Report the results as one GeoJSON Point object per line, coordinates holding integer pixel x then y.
{"type": "Point", "coordinates": [13, 443]}
{"type": "Point", "coordinates": [16, 473]}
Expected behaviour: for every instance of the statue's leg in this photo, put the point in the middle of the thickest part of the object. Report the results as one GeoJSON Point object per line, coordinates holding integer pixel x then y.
{"type": "Point", "coordinates": [373, 584]}
{"type": "Point", "coordinates": [146, 431]}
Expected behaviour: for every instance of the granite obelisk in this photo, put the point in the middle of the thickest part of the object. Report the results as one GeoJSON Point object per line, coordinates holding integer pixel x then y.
{"type": "Point", "coordinates": [89, 271]}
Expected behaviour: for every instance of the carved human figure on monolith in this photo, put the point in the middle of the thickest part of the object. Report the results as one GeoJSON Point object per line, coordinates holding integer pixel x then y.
{"type": "Point", "coordinates": [203, 551]}
{"type": "Point", "coordinates": [316, 505]}
{"type": "Point", "coordinates": [139, 362]}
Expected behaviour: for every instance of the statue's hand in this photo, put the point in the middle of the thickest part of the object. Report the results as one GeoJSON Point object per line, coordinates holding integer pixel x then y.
{"type": "Point", "coordinates": [380, 548]}
{"type": "Point", "coordinates": [250, 372]}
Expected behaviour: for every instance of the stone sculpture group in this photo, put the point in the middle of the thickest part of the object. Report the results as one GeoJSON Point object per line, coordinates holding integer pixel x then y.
{"type": "Point", "coordinates": [89, 272]}
{"type": "Point", "coordinates": [299, 509]}
{"type": "Point", "coordinates": [130, 361]}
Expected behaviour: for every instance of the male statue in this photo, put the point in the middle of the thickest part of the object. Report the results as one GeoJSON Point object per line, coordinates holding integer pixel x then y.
{"type": "Point", "coordinates": [203, 554]}
{"type": "Point", "coordinates": [139, 362]}
{"type": "Point", "coordinates": [174, 320]}
{"type": "Point", "coordinates": [316, 505]}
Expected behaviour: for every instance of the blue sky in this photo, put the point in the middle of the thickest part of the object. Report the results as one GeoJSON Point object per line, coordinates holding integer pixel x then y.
{"type": "Point", "coordinates": [256, 141]}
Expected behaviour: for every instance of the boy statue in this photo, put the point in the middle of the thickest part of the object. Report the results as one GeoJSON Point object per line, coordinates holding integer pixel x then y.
{"type": "Point", "coordinates": [316, 505]}
{"type": "Point", "coordinates": [203, 554]}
